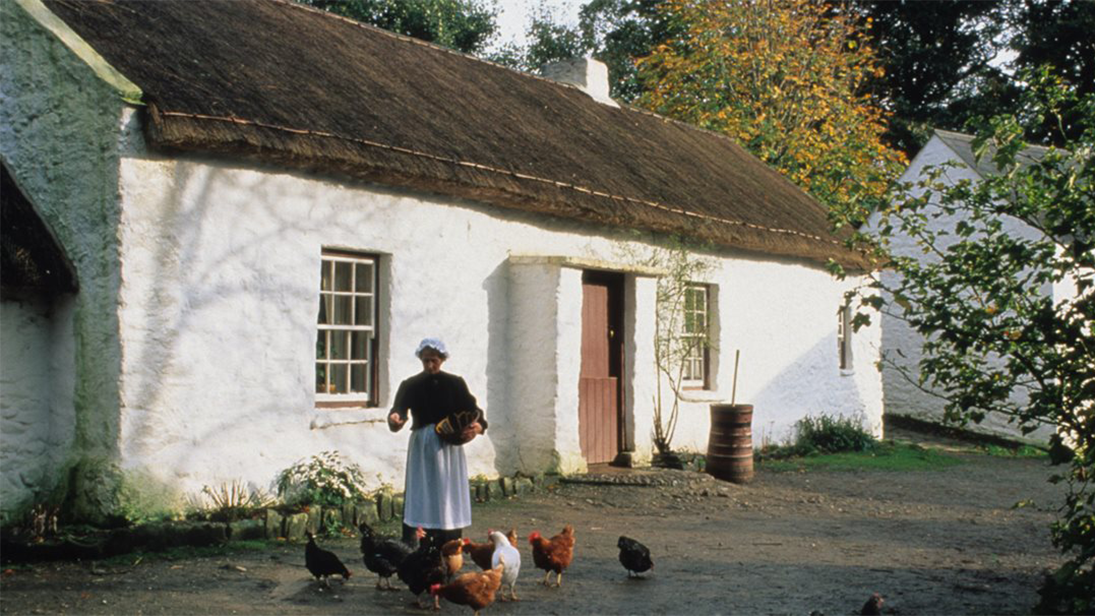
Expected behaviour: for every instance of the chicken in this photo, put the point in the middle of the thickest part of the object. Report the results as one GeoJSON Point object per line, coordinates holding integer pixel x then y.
{"type": "Point", "coordinates": [553, 554]}
{"type": "Point", "coordinates": [422, 568]}
{"type": "Point", "coordinates": [873, 606]}
{"type": "Point", "coordinates": [452, 553]}
{"type": "Point", "coordinates": [382, 555]}
{"type": "Point", "coordinates": [476, 589]}
{"type": "Point", "coordinates": [323, 564]}
{"type": "Point", "coordinates": [634, 556]}
{"type": "Point", "coordinates": [480, 553]}
{"type": "Point", "coordinates": [512, 536]}
{"type": "Point", "coordinates": [504, 551]}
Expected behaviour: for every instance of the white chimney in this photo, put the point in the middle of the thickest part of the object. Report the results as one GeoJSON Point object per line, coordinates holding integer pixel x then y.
{"type": "Point", "coordinates": [590, 75]}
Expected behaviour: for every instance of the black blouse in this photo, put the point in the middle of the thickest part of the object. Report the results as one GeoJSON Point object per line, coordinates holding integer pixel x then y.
{"type": "Point", "coordinates": [432, 397]}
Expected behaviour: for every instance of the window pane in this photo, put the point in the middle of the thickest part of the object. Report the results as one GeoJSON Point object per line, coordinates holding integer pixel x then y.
{"type": "Point", "coordinates": [341, 312]}
{"type": "Point", "coordinates": [358, 383]}
{"type": "Point", "coordinates": [321, 344]}
{"type": "Point", "coordinates": [338, 345]}
{"type": "Point", "coordinates": [363, 311]}
{"type": "Point", "coordinates": [324, 309]}
{"type": "Point", "coordinates": [359, 349]}
{"type": "Point", "coordinates": [364, 278]}
{"type": "Point", "coordinates": [343, 276]}
{"type": "Point", "coordinates": [321, 378]}
{"type": "Point", "coordinates": [325, 276]}
{"type": "Point", "coordinates": [338, 379]}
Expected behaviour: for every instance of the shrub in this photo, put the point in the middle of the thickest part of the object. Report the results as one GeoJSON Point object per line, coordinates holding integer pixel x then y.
{"type": "Point", "coordinates": [232, 501]}
{"type": "Point", "coordinates": [323, 479]}
{"type": "Point", "coordinates": [825, 434]}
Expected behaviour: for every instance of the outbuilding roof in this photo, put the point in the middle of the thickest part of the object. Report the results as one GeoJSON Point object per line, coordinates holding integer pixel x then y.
{"type": "Point", "coordinates": [282, 83]}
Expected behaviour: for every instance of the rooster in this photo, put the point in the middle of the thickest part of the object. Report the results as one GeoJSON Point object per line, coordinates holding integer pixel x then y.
{"type": "Point", "coordinates": [873, 606]}
{"type": "Point", "coordinates": [382, 555]}
{"type": "Point", "coordinates": [422, 568]}
{"type": "Point", "coordinates": [323, 564]}
{"type": "Point", "coordinates": [505, 552]}
{"type": "Point", "coordinates": [452, 553]}
{"type": "Point", "coordinates": [475, 589]}
{"type": "Point", "coordinates": [634, 556]}
{"type": "Point", "coordinates": [553, 554]}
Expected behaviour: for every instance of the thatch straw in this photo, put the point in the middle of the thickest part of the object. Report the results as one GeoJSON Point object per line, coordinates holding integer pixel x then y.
{"type": "Point", "coordinates": [278, 82]}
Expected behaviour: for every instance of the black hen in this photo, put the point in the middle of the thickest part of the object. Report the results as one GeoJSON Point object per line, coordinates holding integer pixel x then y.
{"type": "Point", "coordinates": [873, 606]}
{"type": "Point", "coordinates": [382, 555]}
{"type": "Point", "coordinates": [323, 564]}
{"type": "Point", "coordinates": [423, 568]}
{"type": "Point", "coordinates": [634, 556]}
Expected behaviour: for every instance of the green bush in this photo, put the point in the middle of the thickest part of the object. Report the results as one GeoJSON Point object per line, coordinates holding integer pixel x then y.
{"type": "Point", "coordinates": [323, 479]}
{"type": "Point", "coordinates": [825, 434]}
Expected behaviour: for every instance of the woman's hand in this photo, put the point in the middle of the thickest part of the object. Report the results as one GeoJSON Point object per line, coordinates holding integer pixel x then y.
{"type": "Point", "coordinates": [395, 422]}
{"type": "Point", "coordinates": [471, 432]}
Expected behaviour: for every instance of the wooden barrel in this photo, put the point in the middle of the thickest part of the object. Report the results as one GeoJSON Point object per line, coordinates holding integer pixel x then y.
{"type": "Point", "coordinates": [730, 445]}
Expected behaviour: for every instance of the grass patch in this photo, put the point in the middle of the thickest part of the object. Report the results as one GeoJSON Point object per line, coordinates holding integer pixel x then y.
{"type": "Point", "coordinates": [1022, 451]}
{"type": "Point", "coordinates": [886, 456]}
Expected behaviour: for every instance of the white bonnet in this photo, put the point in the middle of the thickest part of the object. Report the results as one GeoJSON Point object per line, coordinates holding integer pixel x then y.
{"type": "Point", "coordinates": [432, 343]}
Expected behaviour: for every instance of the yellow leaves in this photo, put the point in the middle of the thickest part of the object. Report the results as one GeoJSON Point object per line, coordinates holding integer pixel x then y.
{"type": "Point", "coordinates": [783, 78]}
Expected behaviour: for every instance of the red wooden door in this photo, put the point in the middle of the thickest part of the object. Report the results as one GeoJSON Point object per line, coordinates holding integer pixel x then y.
{"type": "Point", "coordinates": [598, 382]}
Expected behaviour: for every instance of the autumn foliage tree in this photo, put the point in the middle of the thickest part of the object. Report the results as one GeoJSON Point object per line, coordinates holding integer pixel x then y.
{"type": "Point", "coordinates": [786, 79]}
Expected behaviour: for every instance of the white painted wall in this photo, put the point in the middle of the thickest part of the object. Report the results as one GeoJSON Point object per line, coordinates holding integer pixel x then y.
{"type": "Point", "coordinates": [901, 345]}
{"type": "Point", "coordinates": [220, 271]}
{"type": "Point", "coordinates": [59, 135]}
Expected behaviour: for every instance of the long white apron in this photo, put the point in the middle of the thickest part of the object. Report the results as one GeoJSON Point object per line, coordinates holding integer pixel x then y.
{"type": "Point", "coordinates": [436, 494]}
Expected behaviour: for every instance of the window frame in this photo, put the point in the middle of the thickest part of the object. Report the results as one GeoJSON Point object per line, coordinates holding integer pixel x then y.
{"type": "Point", "coordinates": [702, 352]}
{"type": "Point", "coordinates": [369, 398]}
{"type": "Point", "coordinates": [844, 337]}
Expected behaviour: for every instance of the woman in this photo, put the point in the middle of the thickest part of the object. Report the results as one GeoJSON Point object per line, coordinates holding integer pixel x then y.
{"type": "Point", "coordinates": [436, 495]}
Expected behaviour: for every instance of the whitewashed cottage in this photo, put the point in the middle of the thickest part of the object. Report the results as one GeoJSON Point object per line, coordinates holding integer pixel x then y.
{"type": "Point", "coordinates": [904, 396]}
{"type": "Point", "coordinates": [266, 207]}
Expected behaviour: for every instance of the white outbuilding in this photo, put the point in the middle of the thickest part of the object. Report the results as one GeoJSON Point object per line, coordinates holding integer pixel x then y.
{"type": "Point", "coordinates": [266, 207]}
{"type": "Point", "coordinates": [904, 395]}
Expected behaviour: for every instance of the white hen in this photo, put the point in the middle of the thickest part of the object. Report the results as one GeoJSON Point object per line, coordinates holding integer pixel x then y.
{"type": "Point", "coordinates": [504, 552]}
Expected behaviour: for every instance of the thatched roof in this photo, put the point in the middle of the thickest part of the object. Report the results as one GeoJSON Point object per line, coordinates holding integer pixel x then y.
{"type": "Point", "coordinates": [30, 257]}
{"type": "Point", "coordinates": [279, 82]}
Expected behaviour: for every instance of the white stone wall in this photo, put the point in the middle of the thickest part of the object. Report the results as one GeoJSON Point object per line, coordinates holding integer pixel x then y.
{"type": "Point", "coordinates": [220, 271]}
{"type": "Point", "coordinates": [59, 136]}
{"type": "Point", "coordinates": [24, 406]}
{"type": "Point", "coordinates": [782, 317]}
{"type": "Point", "coordinates": [902, 345]}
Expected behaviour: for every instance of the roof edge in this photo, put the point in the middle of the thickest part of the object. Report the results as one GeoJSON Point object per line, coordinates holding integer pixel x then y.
{"type": "Point", "coordinates": [128, 90]}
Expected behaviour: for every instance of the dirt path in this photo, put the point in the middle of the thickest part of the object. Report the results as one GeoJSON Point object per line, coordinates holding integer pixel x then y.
{"type": "Point", "coordinates": [933, 542]}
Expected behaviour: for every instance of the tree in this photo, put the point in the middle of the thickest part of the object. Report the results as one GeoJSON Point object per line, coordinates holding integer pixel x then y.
{"type": "Point", "coordinates": [464, 25]}
{"type": "Point", "coordinates": [935, 56]}
{"type": "Point", "coordinates": [1056, 35]}
{"type": "Point", "coordinates": [996, 340]}
{"type": "Point", "coordinates": [786, 80]}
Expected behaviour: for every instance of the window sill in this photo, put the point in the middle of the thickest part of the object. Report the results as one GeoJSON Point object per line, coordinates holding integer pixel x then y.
{"type": "Point", "coordinates": [329, 417]}
{"type": "Point", "coordinates": [700, 395]}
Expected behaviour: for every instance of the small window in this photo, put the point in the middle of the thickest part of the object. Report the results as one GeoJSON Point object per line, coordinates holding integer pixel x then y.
{"type": "Point", "coordinates": [694, 336]}
{"type": "Point", "coordinates": [844, 336]}
{"type": "Point", "coordinates": [346, 336]}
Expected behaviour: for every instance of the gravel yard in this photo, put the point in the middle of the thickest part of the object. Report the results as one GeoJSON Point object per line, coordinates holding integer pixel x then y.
{"type": "Point", "coordinates": [944, 541]}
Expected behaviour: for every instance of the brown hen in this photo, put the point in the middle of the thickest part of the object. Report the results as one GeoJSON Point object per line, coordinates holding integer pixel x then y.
{"type": "Point", "coordinates": [475, 589]}
{"type": "Point", "coordinates": [553, 554]}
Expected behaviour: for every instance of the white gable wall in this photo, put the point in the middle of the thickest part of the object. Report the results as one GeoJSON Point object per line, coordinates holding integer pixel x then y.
{"type": "Point", "coordinates": [59, 135]}
{"type": "Point", "coordinates": [902, 345]}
